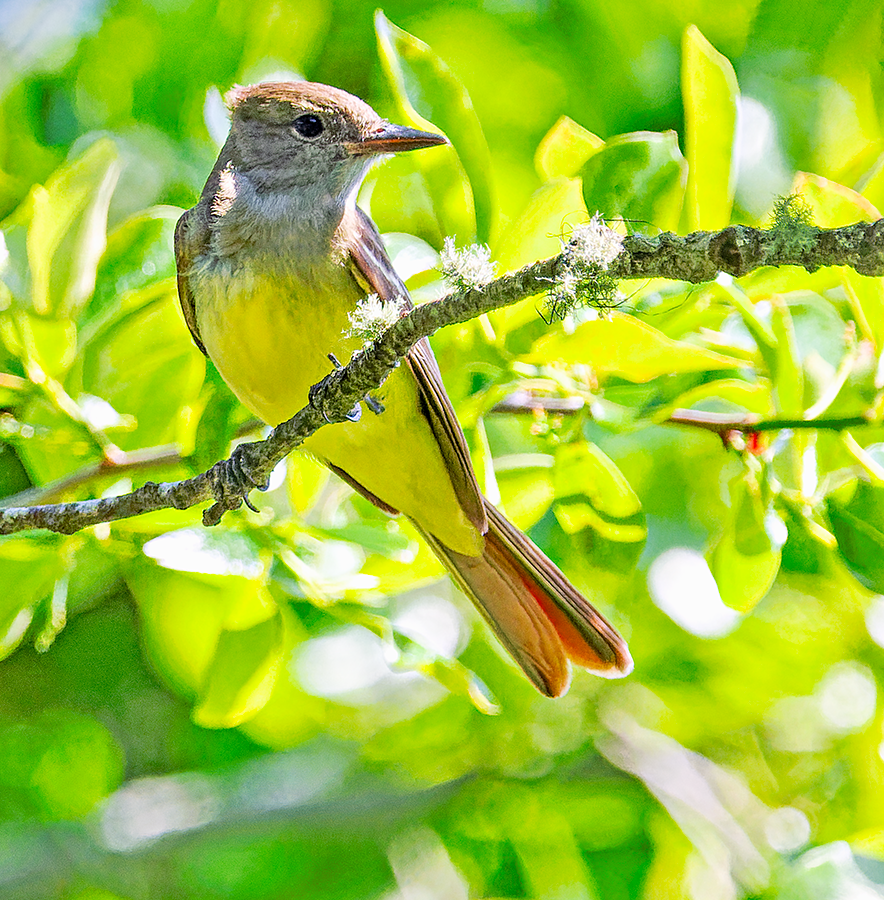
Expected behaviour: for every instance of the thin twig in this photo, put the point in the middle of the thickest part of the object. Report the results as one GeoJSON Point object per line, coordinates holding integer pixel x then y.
{"type": "Point", "coordinates": [726, 423]}
{"type": "Point", "coordinates": [123, 463]}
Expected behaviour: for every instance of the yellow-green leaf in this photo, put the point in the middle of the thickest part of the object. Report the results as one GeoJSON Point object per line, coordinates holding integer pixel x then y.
{"type": "Point", "coordinates": [788, 376]}
{"type": "Point", "coordinates": [710, 91]}
{"type": "Point", "coordinates": [241, 676]}
{"type": "Point", "coordinates": [537, 234]}
{"type": "Point", "coordinates": [583, 468]}
{"type": "Point", "coordinates": [866, 296]}
{"type": "Point", "coordinates": [564, 150]}
{"type": "Point", "coordinates": [525, 494]}
{"type": "Point", "coordinates": [51, 342]}
{"type": "Point", "coordinates": [68, 230]}
{"type": "Point", "coordinates": [184, 614]}
{"type": "Point", "coordinates": [745, 562]}
{"type": "Point", "coordinates": [832, 205]}
{"type": "Point", "coordinates": [625, 346]}
{"type": "Point", "coordinates": [575, 515]}
{"type": "Point", "coordinates": [754, 397]}
{"type": "Point", "coordinates": [413, 70]}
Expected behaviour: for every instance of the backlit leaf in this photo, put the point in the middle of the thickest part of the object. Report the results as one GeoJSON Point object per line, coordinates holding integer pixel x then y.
{"type": "Point", "coordinates": [628, 347]}
{"type": "Point", "coordinates": [710, 91]}
{"type": "Point", "coordinates": [639, 177]}
{"type": "Point", "coordinates": [420, 79]}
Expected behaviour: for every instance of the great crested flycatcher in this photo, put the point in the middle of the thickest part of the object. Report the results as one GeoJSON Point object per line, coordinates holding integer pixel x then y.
{"type": "Point", "coordinates": [270, 262]}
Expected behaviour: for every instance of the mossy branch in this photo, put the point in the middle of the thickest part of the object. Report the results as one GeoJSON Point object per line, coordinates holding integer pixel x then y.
{"type": "Point", "coordinates": [696, 257]}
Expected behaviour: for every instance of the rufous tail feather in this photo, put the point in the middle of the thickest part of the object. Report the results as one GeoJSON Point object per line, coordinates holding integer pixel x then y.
{"type": "Point", "coordinates": [538, 615]}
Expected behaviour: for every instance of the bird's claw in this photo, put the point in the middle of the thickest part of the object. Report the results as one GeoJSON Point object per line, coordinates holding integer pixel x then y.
{"type": "Point", "coordinates": [355, 414]}
{"type": "Point", "coordinates": [235, 477]}
{"type": "Point", "coordinates": [314, 397]}
{"type": "Point", "coordinates": [374, 404]}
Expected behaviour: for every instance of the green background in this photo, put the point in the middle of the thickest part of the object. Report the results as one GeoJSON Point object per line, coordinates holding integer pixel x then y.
{"type": "Point", "coordinates": [294, 704]}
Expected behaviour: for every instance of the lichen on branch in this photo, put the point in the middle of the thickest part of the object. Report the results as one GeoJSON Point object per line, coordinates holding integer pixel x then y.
{"type": "Point", "coordinates": [696, 257]}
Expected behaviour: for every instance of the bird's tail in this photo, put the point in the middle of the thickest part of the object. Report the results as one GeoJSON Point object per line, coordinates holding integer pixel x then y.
{"type": "Point", "coordinates": [539, 616]}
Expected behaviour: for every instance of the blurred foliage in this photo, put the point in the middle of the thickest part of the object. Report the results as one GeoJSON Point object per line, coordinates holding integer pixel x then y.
{"type": "Point", "coordinates": [294, 704]}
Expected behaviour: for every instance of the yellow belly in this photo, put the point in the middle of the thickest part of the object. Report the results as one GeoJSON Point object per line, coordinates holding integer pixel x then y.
{"type": "Point", "coordinates": [270, 340]}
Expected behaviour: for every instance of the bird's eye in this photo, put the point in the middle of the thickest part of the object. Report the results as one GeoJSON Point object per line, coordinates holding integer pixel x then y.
{"type": "Point", "coordinates": [308, 125]}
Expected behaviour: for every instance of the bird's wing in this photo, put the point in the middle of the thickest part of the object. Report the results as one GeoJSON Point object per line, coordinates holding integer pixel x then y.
{"type": "Point", "coordinates": [191, 239]}
{"type": "Point", "coordinates": [372, 267]}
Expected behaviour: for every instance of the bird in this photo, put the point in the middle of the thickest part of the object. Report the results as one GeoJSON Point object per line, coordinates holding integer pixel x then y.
{"type": "Point", "coordinates": [271, 261]}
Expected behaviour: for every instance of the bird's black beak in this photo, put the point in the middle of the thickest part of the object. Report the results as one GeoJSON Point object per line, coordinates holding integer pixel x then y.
{"type": "Point", "coordinates": [394, 139]}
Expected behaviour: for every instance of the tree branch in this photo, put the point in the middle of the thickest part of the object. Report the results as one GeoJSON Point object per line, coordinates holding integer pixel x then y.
{"type": "Point", "coordinates": [739, 249]}
{"type": "Point", "coordinates": [696, 257]}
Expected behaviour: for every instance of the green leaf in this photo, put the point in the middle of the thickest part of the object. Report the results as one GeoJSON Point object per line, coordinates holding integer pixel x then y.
{"type": "Point", "coordinates": [538, 231]}
{"type": "Point", "coordinates": [710, 91]}
{"type": "Point", "coordinates": [723, 394]}
{"type": "Point", "coordinates": [576, 515]}
{"type": "Point", "coordinates": [289, 715]}
{"type": "Point", "coordinates": [565, 149]}
{"type": "Point", "coordinates": [57, 765]}
{"type": "Point", "coordinates": [52, 445]}
{"type": "Point", "coordinates": [50, 342]}
{"type": "Point", "coordinates": [550, 859]}
{"type": "Point", "coordinates": [13, 475]}
{"type": "Point", "coordinates": [819, 329]}
{"type": "Point", "coordinates": [787, 376]}
{"type": "Point", "coordinates": [745, 561]}
{"type": "Point", "coordinates": [463, 682]}
{"type": "Point", "coordinates": [756, 325]}
{"type": "Point", "coordinates": [67, 231]}
{"type": "Point", "coordinates": [583, 468]}
{"type": "Point", "coordinates": [137, 255]}
{"type": "Point", "coordinates": [536, 234]}
{"type": "Point", "coordinates": [241, 675]}
{"type": "Point", "coordinates": [871, 184]}
{"type": "Point", "coordinates": [856, 511]}
{"type": "Point", "coordinates": [625, 346]}
{"type": "Point", "coordinates": [526, 491]}
{"type": "Point", "coordinates": [866, 297]}
{"type": "Point", "coordinates": [184, 614]}
{"type": "Point", "coordinates": [809, 547]}
{"type": "Point", "coordinates": [639, 177]}
{"type": "Point", "coordinates": [145, 365]}
{"type": "Point", "coordinates": [832, 205]}
{"type": "Point", "coordinates": [218, 421]}
{"type": "Point", "coordinates": [419, 78]}
{"type": "Point", "coordinates": [29, 566]}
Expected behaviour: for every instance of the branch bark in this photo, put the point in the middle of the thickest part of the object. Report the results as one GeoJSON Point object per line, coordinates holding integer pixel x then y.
{"type": "Point", "coordinates": [696, 257]}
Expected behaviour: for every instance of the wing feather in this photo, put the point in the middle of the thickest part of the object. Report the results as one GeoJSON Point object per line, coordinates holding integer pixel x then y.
{"type": "Point", "coordinates": [373, 268]}
{"type": "Point", "coordinates": [191, 239]}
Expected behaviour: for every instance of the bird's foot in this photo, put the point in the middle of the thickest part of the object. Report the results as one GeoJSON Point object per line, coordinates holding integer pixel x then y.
{"type": "Point", "coordinates": [232, 479]}
{"type": "Point", "coordinates": [355, 414]}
